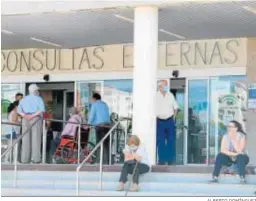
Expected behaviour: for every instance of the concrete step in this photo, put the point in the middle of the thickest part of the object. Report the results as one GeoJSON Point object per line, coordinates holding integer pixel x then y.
{"type": "Point", "coordinates": [57, 192]}
{"type": "Point", "coordinates": [144, 186]}
{"type": "Point", "coordinates": [59, 183]}
{"type": "Point", "coordinates": [201, 169]}
{"type": "Point", "coordinates": [114, 176]}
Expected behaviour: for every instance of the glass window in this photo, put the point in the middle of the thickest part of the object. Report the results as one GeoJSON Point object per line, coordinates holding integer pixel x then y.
{"type": "Point", "coordinates": [228, 101]}
{"type": "Point", "coordinates": [8, 92]}
{"type": "Point", "coordinates": [118, 96]}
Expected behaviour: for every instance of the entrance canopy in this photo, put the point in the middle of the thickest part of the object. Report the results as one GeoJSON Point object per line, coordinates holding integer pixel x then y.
{"type": "Point", "coordinates": [89, 27]}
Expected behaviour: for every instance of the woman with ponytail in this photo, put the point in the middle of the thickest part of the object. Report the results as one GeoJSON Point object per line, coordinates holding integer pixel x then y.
{"type": "Point", "coordinates": [232, 151]}
{"type": "Point", "coordinates": [12, 130]}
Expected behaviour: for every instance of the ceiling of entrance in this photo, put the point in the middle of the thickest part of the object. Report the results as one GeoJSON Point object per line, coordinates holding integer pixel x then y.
{"type": "Point", "coordinates": [185, 21]}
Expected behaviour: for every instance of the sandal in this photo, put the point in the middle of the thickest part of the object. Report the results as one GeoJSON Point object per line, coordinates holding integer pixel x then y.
{"type": "Point", "coordinates": [134, 188]}
{"type": "Point", "coordinates": [120, 187]}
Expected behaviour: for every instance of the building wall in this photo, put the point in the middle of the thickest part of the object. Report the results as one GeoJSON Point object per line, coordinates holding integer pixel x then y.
{"type": "Point", "coordinates": [207, 58]}
{"type": "Point", "coordinates": [178, 55]}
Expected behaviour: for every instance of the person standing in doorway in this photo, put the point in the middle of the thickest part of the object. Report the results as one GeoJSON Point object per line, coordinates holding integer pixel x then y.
{"type": "Point", "coordinates": [18, 96]}
{"type": "Point", "coordinates": [99, 117]}
{"type": "Point", "coordinates": [166, 112]}
{"type": "Point", "coordinates": [31, 108]}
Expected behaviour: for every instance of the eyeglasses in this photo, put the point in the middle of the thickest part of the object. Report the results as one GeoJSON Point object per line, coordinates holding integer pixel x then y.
{"type": "Point", "coordinates": [231, 126]}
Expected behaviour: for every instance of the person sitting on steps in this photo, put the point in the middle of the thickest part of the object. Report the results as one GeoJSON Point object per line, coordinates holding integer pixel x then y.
{"type": "Point", "coordinates": [232, 152]}
{"type": "Point", "coordinates": [134, 153]}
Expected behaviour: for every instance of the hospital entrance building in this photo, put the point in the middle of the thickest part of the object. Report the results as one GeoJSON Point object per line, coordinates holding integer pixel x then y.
{"type": "Point", "coordinates": [208, 77]}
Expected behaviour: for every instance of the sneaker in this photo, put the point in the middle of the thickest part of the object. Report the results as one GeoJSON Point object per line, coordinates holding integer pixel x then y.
{"type": "Point", "coordinates": [214, 180]}
{"type": "Point", "coordinates": [120, 187]}
{"type": "Point", "coordinates": [242, 180]}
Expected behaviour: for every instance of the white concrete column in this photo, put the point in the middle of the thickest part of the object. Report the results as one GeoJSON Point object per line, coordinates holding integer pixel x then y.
{"type": "Point", "coordinates": [144, 77]}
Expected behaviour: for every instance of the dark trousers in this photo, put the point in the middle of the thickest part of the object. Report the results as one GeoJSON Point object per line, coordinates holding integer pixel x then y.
{"type": "Point", "coordinates": [128, 169]}
{"type": "Point", "coordinates": [166, 140]}
{"type": "Point", "coordinates": [222, 159]}
{"type": "Point", "coordinates": [100, 133]}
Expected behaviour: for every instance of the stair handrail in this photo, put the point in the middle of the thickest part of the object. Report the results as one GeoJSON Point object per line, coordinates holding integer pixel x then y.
{"type": "Point", "coordinates": [100, 144]}
{"type": "Point", "coordinates": [71, 122]}
{"type": "Point", "coordinates": [15, 144]}
{"type": "Point", "coordinates": [11, 124]}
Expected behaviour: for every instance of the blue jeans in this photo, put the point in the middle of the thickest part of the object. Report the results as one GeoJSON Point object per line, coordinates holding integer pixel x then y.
{"type": "Point", "coordinates": [222, 159]}
{"type": "Point", "coordinates": [166, 140]}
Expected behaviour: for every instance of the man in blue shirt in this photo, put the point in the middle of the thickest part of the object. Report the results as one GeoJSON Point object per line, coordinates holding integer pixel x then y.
{"type": "Point", "coordinates": [99, 117]}
{"type": "Point", "coordinates": [31, 109]}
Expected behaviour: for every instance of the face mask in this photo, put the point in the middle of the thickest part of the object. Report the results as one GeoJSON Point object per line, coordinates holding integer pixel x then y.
{"type": "Point", "coordinates": [166, 89]}
{"type": "Point", "coordinates": [133, 148]}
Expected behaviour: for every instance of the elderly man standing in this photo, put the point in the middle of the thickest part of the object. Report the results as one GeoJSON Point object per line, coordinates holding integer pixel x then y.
{"type": "Point", "coordinates": [166, 112]}
{"type": "Point", "coordinates": [31, 109]}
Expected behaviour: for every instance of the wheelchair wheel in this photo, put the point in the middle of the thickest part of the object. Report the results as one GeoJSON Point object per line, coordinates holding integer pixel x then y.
{"type": "Point", "coordinates": [69, 153]}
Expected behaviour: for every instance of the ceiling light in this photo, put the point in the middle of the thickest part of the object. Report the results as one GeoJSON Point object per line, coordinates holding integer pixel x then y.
{"type": "Point", "coordinates": [124, 18]}
{"type": "Point", "coordinates": [46, 42]}
{"type": "Point", "coordinates": [172, 34]}
{"type": "Point", "coordinates": [7, 32]}
{"type": "Point", "coordinates": [250, 9]}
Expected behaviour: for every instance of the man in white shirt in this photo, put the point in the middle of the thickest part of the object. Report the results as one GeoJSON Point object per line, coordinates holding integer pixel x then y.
{"type": "Point", "coordinates": [166, 112]}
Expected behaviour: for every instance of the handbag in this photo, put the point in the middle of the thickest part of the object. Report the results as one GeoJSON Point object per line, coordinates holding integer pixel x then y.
{"type": "Point", "coordinates": [12, 135]}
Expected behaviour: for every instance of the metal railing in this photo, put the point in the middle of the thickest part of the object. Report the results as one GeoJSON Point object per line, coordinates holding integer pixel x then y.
{"type": "Point", "coordinates": [100, 144]}
{"type": "Point", "coordinates": [11, 136]}
{"type": "Point", "coordinates": [15, 144]}
{"type": "Point", "coordinates": [78, 135]}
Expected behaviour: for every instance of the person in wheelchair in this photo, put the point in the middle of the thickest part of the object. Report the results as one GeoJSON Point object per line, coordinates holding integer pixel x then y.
{"type": "Point", "coordinates": [75, 117]}
{"type": "Point", "coordinates": [69, 133]}
{"type": "Point", "coordinates": [70, 128]}
{"type": "Point", "coordinates": [232, 152]}
{"type": "Point", "coordinates": [136, 163]}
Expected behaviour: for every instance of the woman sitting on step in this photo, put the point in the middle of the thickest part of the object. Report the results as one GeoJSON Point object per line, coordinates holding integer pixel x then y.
{"type": "Point", "coordinates": [136, 163]}
{"type": "Point", "coordinates": [232, 151]}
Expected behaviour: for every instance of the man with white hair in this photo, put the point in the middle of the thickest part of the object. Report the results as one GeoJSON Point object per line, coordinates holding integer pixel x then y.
{"type": "Point", "coordinates": [166, 112]}
{"type": "Point", "coordinates": [31, 108]}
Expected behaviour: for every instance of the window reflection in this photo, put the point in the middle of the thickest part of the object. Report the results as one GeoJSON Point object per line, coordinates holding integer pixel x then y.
{"type": "Point", "coordinates": [228, 101]}
{"type": "Point", "coordinates": [197, 121]}
{"type": "Point", "coordinates": [118, 96]}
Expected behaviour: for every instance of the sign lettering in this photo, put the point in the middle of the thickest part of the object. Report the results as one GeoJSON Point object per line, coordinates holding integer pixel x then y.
{"type": "Point", "coordinates": [175, 55]}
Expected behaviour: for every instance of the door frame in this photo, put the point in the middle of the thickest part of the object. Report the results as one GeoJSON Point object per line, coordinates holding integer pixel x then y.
{"type": "Point", "coordinates": [65, 103]}
{"type": "Point", "coordinates": [89, 82]}
{"type": "Point", "coordinates": [186, 127]}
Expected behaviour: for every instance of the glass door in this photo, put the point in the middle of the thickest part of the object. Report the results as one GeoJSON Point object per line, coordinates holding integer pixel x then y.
{"type": "Point", "coordinates": [68, 103]}
{"type": "Point", "coordinates": [197, 121]}
{"type": "Point", "coordinates": [83, 94]}
{"type": "Point", "coordinates": [180, 97]}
